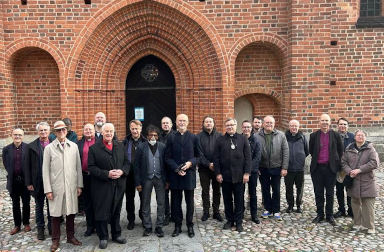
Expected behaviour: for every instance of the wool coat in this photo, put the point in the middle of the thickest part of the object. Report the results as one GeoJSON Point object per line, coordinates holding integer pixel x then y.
{"type": "Point", "coordinates": [107, 192]}
{"type": "Point", "coordinates": [62, 176]}
{"type": "Point", "coordinates": [8, 162]}
{"type": "Point", "coordinates": [364, 184]}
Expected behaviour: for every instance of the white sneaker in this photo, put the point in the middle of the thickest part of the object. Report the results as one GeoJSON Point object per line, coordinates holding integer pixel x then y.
{"type": "Point", "coordinates": [356, 227]}
{"type": "Point", "coordinates": [371, 231]}
{"type": "Point", "coordinates": [278, 217]}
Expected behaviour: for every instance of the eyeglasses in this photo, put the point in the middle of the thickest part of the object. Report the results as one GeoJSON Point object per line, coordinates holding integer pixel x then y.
{"type": "Point", "coordinates": [247, 127]}
{"type": "Point", "coordinates": [43, 130]}
{"type": "Point", "coordinates": [230, 125]}
{"type": "Point", "coordinates": [153, 135]}
{"type": "Point", "coordinates": [268, 122]}
{"type": "Point", "coordinates": [61, 130]}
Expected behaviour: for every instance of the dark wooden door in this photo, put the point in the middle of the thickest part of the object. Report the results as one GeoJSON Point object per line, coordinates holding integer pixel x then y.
{"type": "Point", "coordinates": [150, 85]}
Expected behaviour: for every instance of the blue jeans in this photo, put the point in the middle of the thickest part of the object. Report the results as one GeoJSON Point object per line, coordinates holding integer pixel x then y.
{"type": "Point", "coordinates": [270, 178]}
{"type": "Point", "coordinates": [39, 211]}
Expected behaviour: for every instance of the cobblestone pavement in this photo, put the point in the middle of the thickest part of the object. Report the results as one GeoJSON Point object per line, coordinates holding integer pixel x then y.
{"type": "Point", "coordinates": [295, 232]}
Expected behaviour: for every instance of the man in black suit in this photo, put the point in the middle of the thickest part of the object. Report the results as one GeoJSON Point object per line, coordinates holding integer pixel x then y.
{"type": "Point", "coordinates": [326, 149]}
{"type": "Point", "coordinates": [183, 153]}
{"type": "Point", "coordinates": [14, 160]}
{"type": "Point", "coordinates": [150, 173]}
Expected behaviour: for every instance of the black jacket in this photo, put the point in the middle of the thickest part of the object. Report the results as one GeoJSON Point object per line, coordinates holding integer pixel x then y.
{"type": "Point", "coordinates": [141, 163]}
{"type": "Point", "coordinates": [255, 145]}
{"type": "Point", "coordinates": [8, 162]}
{"type": "Point", "coordinates": [298, 151]}
{"type": "Point", "coordinates": [33, 165]}
{"type": "Point", "coordinates": [207, 142]}
{"type": "Point", "coordinates": [179, 152]}
{"type": "Point", "coordinates": [100, 161]}
{"type": "Point", "coordinates": [232, 163]}
{"type": "Point", "coordinates": [128, 138]}
{"type": "Point", "coordinates": [164, 137]}
{"type": "Point", "coordinates": [336, 149]}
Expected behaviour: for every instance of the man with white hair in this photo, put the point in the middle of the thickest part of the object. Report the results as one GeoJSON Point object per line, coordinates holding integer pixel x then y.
{"type": "Point", "coordinates": [326, 149]}
{"type": "Point", "coordinates": [109, 166]}
{"type": "Point", "coordinates": [298, 150]}
{"type": "Point", "coordinates": [273, 165]}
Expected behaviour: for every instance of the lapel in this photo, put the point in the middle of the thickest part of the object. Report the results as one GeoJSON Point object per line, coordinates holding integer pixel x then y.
{"type": "Point", "coordinates": [146, 155]}
{"type": "Point", "coordinates": [187, 136]}
{"type": "Point", "coordinates": [317, 141]}
{"type": "Point", "coordinates": [11, 157]}
{"type": "Point", "coordinates": [330, 141]}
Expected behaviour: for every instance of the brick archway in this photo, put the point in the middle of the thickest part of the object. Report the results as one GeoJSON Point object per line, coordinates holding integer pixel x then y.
{"type": "Point", "coordinates": [133, 32]}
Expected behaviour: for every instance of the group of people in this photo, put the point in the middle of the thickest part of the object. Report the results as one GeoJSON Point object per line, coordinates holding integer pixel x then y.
{"type": "Point", "coordinates": [57, 169]}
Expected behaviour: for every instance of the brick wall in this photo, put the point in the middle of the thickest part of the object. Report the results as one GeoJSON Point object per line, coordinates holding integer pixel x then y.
{"type": "Point", "coordinates": [215, 50]}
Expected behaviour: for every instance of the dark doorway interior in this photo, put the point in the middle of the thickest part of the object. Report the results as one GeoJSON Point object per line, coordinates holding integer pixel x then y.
{"type": "Point", "coordinates": [150, 85]}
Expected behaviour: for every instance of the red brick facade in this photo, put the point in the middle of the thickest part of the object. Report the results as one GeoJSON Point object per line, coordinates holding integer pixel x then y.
{"type": "Point", "coordinates": [62, 58]}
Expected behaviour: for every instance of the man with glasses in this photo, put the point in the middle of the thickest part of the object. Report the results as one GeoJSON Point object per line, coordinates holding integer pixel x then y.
{"type": "Point", "coordinates": [150, 173]}
{"type": "Point", "coordinates": [63, 183]}
{"type": "Point", "coordinates": [34, 177]}
{"type": "Point", "coordinates": [232, 164]}
{"type": "Point", "coordinates": [273, 165]}
{"type": "Point", "coordinates": [14, 160]}
{"type": "Point", "coordinates": [71, 135]}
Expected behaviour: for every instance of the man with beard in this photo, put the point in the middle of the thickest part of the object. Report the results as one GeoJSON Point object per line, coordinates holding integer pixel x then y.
{"type": "Point", "coordinates": [131, 142]}
{"type": "Point", "coordinates": [109, 166]}
{"type": "Point", "coordinates": [183, 153]}
{"type": "Point", "coordinates": [298, 150]}
{"type": "Point", "coordinates": [257, 123]}
{"type": "Point", "coordinates": [34, 177]}
{"type": "Point", "coordinates": [100, 120]}
{"type": "Point", "coordinates": [208, 138]}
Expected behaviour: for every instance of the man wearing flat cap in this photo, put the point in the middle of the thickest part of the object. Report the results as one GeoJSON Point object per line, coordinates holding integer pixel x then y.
{"type": "Point", "coordinates": [63, 180]}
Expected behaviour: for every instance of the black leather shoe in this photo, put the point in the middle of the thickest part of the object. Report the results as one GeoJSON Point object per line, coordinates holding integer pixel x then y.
{"type": "Point", "coordinates": [131, 225]}
{"type": "Point", "coordinates": [339, 214]}
{"type": "Point", "coordinates": [89, 232]}
{"type": "Point", "coordinates": [289, 209]}
{"type": "Point", "coordinates": [120, 240]}
{"type": "Point", "coordinates": [103, 244]}
{"type": "Point", "coordinates": [331, 221]}
{"type": "Point", "coordinates": [299, 210]}
{"type": "Point", "coordinates": [218, 217]}
{"type": "Point", "coordinates": [205, 216]}
{"type": "Point", "coordinates": [40, 234]}
{"type": "Point", "coordinates": [166, 220]}
{"type": "Point", "coordinates": [50, 232]}
{"type": "Point", "coordinates": [147, 232]}
{"type": "Point", "coordinates": [228, 225]}
{"type": "Point", "coordinates": [318, 219]}
{"type": "Point", "coordinates": [159, 232]}
{"type": "Point", "coordinates": [239, 227]}
{"type": "Point", "coordinates": [191, 233]}
{"type": "Point", "coordinates": [255, 219]}
{"type": "Point", "coordinates": [176, 232]}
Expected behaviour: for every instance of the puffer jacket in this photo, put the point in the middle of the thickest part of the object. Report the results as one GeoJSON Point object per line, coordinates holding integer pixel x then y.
{"type": "Point", "coordinates": [298, 151]}
{"type": "Point", "coordinates": [364, 184]}
{"type": "Point", "coordinates": [279, 156]}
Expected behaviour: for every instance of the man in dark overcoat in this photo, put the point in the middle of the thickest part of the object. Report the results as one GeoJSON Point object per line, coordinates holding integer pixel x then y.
{"type": "Point", "coordinates": [182, 154]}
{"type": "Point", "coordinates": [34, 177]}
{"type": "Point", "coordinates": [14, 159]}
{"type": "Point", "coordinates": [232, 163]}
{"type": "Point", "coordinates": [109, 166]}
{"type": "Point", "coordinates": [326, 149]}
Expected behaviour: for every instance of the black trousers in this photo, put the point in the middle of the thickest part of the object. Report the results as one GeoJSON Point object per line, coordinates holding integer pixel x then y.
{"type": "Point", "coordinates": [167, 205]}
{"type": "Point", "coordinates": [340, 198]}
{"type": "Point", "coordinates": [252, 184]}
{"type": "Point", "coordinates": [294, 178]}
{"type": "Point", "coordinates": [324, 177]}
{"type": "Point", "coordinates": [270, 178]}
{"type": "Point", "coordinates": [102, 226]}
{"type": "Point", "coordinates": [19, 190]}
{"type": "Point", "coordinates": [130, 192]}
{"type": "Point", "coordinates": [87, 201]}
{"type": "Point", "coordinates": [233, 193]}
{"type": "Point", "coordinates": [177, 213]}
{"type": "Point", "coordinates": [206, 176]}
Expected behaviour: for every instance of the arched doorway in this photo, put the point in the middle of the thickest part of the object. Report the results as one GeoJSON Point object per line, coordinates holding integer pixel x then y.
{"type": "Point", "coordinates": [150, 92]}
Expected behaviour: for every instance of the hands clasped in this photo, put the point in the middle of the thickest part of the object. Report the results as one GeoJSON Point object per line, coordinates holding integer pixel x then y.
{"type": "Point", "coordinates": [115, 174]}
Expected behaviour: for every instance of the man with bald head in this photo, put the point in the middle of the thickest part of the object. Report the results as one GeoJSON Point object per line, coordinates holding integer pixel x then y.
{"type": "Point", "coordinates": [183, 153]}
{"type": "Point", "coordinates": [87, 141]}
{"type": "Point", "coordinates": [298, 150]}
{"type": "Point", "coordinates": [273, 165]}
{"type": "Point", "coordinates": [326, 149]}
{"type": "Point", "coordinates": [100, 120]}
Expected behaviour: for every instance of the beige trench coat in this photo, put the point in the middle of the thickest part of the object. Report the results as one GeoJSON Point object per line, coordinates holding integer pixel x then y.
{"type": "Point", "coordinates": [62, 175]}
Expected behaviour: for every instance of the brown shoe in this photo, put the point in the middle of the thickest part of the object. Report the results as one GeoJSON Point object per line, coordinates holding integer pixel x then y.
{"type": "Point", "coordinates": [55, 245]}
{"type": "Point", "coordinates": [15, 230]}
{"type": "Point", "coordinates": [27, 228]}
{"type": "Point", "coordinates": [74, 241]}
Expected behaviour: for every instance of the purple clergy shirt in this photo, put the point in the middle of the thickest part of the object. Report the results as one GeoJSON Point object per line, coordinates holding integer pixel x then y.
{"type": "Point", "coordinates": [324, 148]}
{"type": "Point", "coordinates": [17, 162]}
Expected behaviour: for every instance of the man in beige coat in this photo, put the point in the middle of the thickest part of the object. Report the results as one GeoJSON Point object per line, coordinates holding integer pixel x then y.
{"type": "Point", "coordinates": [63, 180]}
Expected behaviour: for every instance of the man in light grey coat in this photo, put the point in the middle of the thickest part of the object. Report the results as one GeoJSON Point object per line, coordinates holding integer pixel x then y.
{"type": "Point", "coordinates": [273, 165]}
{"type": "Point", "coordinates": [63, 180]}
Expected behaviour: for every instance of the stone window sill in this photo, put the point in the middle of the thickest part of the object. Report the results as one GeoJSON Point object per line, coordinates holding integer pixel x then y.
{"type": "Point", "coordinates": [370, 22]}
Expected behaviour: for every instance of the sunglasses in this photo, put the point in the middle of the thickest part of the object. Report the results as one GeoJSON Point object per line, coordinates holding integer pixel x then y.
{"type": "Point", "coordinates": [59, 130]}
